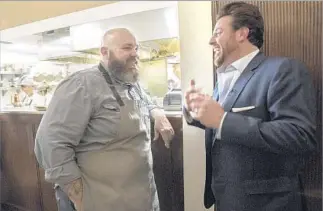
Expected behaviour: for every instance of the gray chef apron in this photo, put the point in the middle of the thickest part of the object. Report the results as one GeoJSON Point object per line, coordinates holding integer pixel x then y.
{"type": "Point", "coordinates": [120, 177]}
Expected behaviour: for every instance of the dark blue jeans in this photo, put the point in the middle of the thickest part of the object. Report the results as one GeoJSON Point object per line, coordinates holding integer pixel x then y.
{"type": "Point", "coordinates": [63, 202]}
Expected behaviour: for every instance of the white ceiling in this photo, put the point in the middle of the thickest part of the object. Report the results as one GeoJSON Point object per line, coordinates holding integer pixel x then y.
{"type": "Point", "coordinates": [147, 25]}
{"type": "Point", "coordinates": [85, 16]}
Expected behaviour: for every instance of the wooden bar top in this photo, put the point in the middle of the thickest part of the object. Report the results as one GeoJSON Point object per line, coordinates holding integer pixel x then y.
{"type": "Point", "coordinates": [24, 188]}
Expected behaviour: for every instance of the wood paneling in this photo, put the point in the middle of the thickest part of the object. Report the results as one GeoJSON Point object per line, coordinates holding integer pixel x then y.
{"type": "Point", "coordinates": [19, 166]}
{"type": "Point", "coordinates": [47, 194]}
{"type": "Point", "coordinates": [294, 29]}
{"type": "Point", "coordinates": [26, 185]}
{"type": "Point", "coordinates": [168, 169]}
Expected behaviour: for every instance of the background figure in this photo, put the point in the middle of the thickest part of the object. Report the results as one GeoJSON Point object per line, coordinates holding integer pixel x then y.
{"type": "Point", "coordinates": [27, 89]}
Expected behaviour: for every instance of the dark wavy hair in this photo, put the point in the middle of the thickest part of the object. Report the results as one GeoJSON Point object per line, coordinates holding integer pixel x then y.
{"type": "Point", "coordinates": [245, 15]}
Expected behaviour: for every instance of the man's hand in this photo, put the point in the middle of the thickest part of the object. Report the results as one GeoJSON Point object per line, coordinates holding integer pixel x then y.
{"type": "Point", "coordinates": [74, 192]}
{"type": "Point", "coordinates": [188, 95]}
{"type": "Point", "coordinates": [162, 127]}
{"type": "Point", "coordinates": [209, 112]}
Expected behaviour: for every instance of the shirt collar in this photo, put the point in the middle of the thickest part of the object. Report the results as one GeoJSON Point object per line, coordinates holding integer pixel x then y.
{"type": "Point", "coordinates": [240, 64]}
{"type": "Point", "coordinates": [243, 62]}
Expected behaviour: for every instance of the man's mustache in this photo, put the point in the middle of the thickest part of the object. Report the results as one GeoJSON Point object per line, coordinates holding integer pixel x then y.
{"type": "Point", "coordinates": [133, 60]}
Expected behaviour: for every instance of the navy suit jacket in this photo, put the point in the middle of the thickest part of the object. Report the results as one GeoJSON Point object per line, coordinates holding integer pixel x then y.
{"type": "Point", "coordinates": [255, 166]}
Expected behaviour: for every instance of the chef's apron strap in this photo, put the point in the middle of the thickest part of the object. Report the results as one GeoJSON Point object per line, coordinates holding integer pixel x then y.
{"type": "Point", "coordinates": [109, 82]}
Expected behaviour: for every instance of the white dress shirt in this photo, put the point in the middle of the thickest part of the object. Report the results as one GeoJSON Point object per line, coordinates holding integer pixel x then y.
{"type": "Point", "coordinates": [235, 70]}
{"type": "Point", "coordinates": [231, 72]}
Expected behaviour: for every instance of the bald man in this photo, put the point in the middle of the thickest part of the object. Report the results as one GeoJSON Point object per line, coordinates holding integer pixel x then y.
{"type": "Point", "coordinates": [94, 139]}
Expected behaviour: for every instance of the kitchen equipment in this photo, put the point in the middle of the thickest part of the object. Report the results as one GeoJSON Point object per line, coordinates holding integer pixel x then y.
{"type": "Point", "coordinates": [173, 100]}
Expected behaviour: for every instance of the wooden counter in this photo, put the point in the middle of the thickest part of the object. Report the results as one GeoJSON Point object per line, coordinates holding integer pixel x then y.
{"type": "Point", "coordinates": [23, 185]}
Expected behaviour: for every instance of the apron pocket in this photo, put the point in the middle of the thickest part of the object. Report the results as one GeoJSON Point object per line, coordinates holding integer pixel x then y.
{"type": "Point", "coordinates": [85, 204]}
{"type": "Point", "coordinates": [104, 123]}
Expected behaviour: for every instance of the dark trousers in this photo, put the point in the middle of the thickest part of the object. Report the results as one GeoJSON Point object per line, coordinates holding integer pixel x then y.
{"type": "Point", "coordinates": [62, 200]}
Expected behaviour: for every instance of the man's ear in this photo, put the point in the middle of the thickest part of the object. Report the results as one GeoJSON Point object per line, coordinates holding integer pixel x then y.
{"type": "Point", "coordinates": [242, 34]}
{"type": "Point", "coordinates": [104, 51]}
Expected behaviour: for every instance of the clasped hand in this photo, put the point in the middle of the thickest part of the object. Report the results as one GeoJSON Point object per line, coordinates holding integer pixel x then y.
{"type": "Point", "coordinates": [162, 127]}
{"type": "Point", "coordinates": [208, 111]}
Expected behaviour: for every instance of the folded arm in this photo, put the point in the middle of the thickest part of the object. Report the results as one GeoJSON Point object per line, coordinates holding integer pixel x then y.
{"type": "Point", "coordinates": [148, 102]}
{"type": "Point", "coordinates": [162, 126]}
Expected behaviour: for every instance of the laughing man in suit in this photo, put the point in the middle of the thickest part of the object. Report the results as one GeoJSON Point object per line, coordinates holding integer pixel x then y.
{"type": "Point", "coordinates": [260, 122]}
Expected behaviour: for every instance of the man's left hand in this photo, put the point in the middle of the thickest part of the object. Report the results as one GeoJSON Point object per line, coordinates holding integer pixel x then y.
{"type": "Point", "coordinates": [209, 112]}
{"type": "Point", "coordinates": [163, 127]}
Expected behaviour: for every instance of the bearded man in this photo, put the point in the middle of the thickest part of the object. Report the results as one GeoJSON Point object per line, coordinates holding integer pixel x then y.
{"type": "Point", "coordinates": [94, 139]}
{"type": "Point", "coordinates": [259, 124]}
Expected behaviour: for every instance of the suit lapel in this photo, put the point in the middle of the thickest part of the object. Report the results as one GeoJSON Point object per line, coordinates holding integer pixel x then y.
{"type": "Point", "coordinates": [242, 81]}
{"type": "Point", "coordinates": [239, 85]}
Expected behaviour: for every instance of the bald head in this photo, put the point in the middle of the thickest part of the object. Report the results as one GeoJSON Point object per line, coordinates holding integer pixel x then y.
{"type": "Point", "coordinates": [117, 36]}
{"type": "Point", "coordinates": [119, 53]}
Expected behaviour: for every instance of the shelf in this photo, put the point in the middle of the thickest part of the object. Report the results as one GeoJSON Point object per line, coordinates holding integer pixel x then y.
{"type": "Point", "coordinates": [153, 59]}
{"type": "Point", "coordinates": [5, 88]}
{"type": "Point", "coordinates": [10, 73]}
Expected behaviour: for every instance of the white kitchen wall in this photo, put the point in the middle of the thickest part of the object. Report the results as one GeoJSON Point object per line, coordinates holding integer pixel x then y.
{"type": "Point", "coordinates": [195, 30]}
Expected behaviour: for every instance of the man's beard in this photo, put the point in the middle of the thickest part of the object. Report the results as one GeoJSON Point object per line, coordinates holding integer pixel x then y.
{"type": "Point", "coordinates": [120, 70]}
{"type": "Point", "coordinates": [218, 58]}
{"type": "Point", "coordinates": [221, 56]}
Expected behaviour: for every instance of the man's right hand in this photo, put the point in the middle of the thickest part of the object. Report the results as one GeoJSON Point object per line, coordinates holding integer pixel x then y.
{"type": "Point", "coordinates": [189, 93]}
{"type": "Point", "coordinates": [74, 192]}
